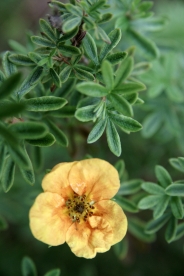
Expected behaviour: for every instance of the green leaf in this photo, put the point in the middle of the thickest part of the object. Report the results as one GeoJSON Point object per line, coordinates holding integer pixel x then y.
{"type": "Point", "coordinates": [45, 103]}
{"type": "Point", "coordinates": [47, 30]}
{"type": "Point", "coordinates": [21, 60]}
{"type": "Point", "coordinates": [8, 86]}
{"type": "Point", "coordinates": [25, 130]}
{"type": "Point", "coordinates": [151, 124]}
{"type": "Point", "coordinates": [90, 48]}
{"type": "Point", "coordinates": [74, 9]}
{"type": "Point", "coordinates": [136, 228]}
{"type": "Point", "coordinates": [163, 176]}
{"type": "Point", "coordinates": [108, 74]}
{"type": "Point", "coordinates": [126, 204]}
{"type": "Point", "coordinates": [97, 131]}
{"type": "Point", "coordinates": [3, 224]}
{"type": "Point", "coordinates": [8, 136]}
{"type": "Point", "coordinates": [145, 44]}
{"type": "Point", "coordinates": [120, 167]}
{"type": "Point", "coordinates": [153, 188]}
{"type": "Point", "coordinates": [56, 4]}
{"type": "Point", "coordinates": [84, 75]}
{"type": "Point", "coordinates": [149, 202]}
{"type": "Point", "coordinates": [85, 114]}
{"type": "Point", "coordinates": [69, 50]}
{"type": "Point", "coordinates": [65, 73]}
{"type": "Point", "coordinates": [179, 231]}
{"type": "Point", "coordinates": [123, 72]}
{"type": "Point", "coordinates": [121, 249]}
{"type": "Point", "coordinates": [46, 141]}
{"type": "Point", "coordinates": [177, 207]}
{"type": "Point", "coordinates": [114, 37]}
{"type": "Point", "coordinates": [7, 178]}
{"type": "Point", "coordinates": [131, 98]}
{"type": "Point", "coordinates": [70, 24]}
{"type": "Point", "coordinates": [17, 47]}
{"type": "Point", "coordinates": [105, 17]}
{"type": "Point", "coordinates": [55, 77]}
{"type": "Point", "coordinates": [129, 88]}
{"type": "Point", "coordinates": [37, 157]}
{"type": "Point", "coordinates": [155, 224]}
{"type": "Point", "coordinates": [28, 267]}
{"type": "Point", "coordinates": [116, 58]}
{"type": "Point", "coordinates": [95, 6]}
{"type": "Point", "coordinates": [43, 42]}
{"type": "Point", "coordinates": [92, 89]}
{"type": "Point", "coordinates": [161, 206]}
{"type": "Point", "coordinates": [171, 230]}
{"type": "Point", "coordinates": [30, 82]}
{"type": "Point", "coordinates": [65, 112]}
{"type": "Point", "coordinates": [8, 67]}
{"type": "Point", "coordinates": [53, 272]}
{"type": "Point", "coordinates": [28, 174]}
{"type": "Point", "coordinates": [126, 123]}
{"type": "Point", "coordinates": [35, 57]}
{"type": "Point", "coordinates": [69, 35]}
{"type": "Point", "coordinates": [18, 155]}
{"type": "Point", "coordinates": [120, 104]}
{"type": "Point", "coordinates": [103, 35]}
{"type": "Point", "coordinates": [61, 138]}
{"type": "Point", "coordinates": [130, 187]}
{"type": "Point", "coordinates": [175, 189]}
{"type": "Point", "coordinates": [176, 163]}
{"type": "Point", "coordinates": [113, 138]}
{"type": "Point", "coordinates": [9, 109]}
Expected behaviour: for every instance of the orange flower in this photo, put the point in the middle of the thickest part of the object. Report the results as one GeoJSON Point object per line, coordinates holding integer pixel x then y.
{"type": "Point", "coordinates": [76, 208]}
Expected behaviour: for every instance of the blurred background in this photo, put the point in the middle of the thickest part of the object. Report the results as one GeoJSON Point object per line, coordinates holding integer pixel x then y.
{"type": "Point", "coordinates": [140, 154]}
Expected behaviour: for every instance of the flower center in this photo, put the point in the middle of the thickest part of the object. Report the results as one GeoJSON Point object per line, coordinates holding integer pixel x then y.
{"type": "Point", "coordinates": [79, 208]}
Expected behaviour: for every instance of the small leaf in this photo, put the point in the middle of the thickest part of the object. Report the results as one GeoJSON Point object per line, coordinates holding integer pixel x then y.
{"type": "Point", "coordinates": [8, 67]}
{"type": "Point", "coordinates": [28, 267]}
{"type": "Point", "coordinates": [84, 75]}
{"type": "Point", "coordinates": [149, 202]}
{"type": "Point", "coordinates": [70, 24]}
{"type": "Point", "coordinates": [97, 131]}
{"type": "Point", "coordinates": [10, 109]}
{"type": "Point", "coordinates": [155, 224]}
{"type": "Point", "coordinates": [37, 157]}
{"type": "Point", "coordinates": [108, 74]}
{"type": "Point", "coordinates": [3, 224]}
{"type": "Point", "coordinates": [9, 85]}
{"type": "Point", "coordinates": [74, 9]}
{"type": "Point", "coordinates": [114, 37]}
{"type": "Point", "coordinates": [45, 103]}
{"type": "Point", "coordinates": [97, 5]}
{"type": "Point", "coordinates": [120, 104]}
{"type": "Point", "coordinates": [53, 272]}
{"type": "Point", "coordinates": [136, 228]}
{"type": "Point", "coordinates": [61, 138]}
{"type": "Point", "coordinates": [113, 138]}
{"type": "Point", "coordinates": [161, 206]}
{"type": "Point", "coordinates": [179, 231]}
{"type": "Point", "coordinates": [126, 123]}
{"type": "Point", "coordinates": [43, 41]}
{"type": "Point", "coordinates": [8, 136]}
{"type": "Point", "coordinates": [65, 73]}
{"type": "Point", "coordinates": [151, 124]}
{"type": "Point", "coordinates": [35, 57]}
{"type": "Point", "coordinates": [153, 188]}
{"type": "Point", "coordinates": [25, 130]}
{"type": "Point", "coordinates": [171, 230]}
{"type": "Point", "coordinates": [163, 176]}
{"type": "Point", "coordinates": [124, 71]}
{"type": "Point", "coordinates": [17, 47]}
{"type": "Point", "coordinates": [126, 204]}
{"type": "Point", "coordinates": [120, 167]}
{"type": "Point", "coordinates": [28, 174]}
{"type": "Point", "coordinates": [46, 141]}
{"type": "Point", "coordinates": [68, 35]}
{"type": "Point", "coordinates": [177, 207]}
{"type": "Point", "coordinates": [175, 190]}
{"type": "Point", "coordinates": [85, 114]}
{"type": "Point", "coordinates": [129, 88]}
{"type": "Point", "coordinates": [55, 77]}
{"type": "Point", "coordinates": [30, 82]}
{"type": "Point", "coordinates": [90, 48]}
{"type": "Point", "coordinates": [105, 17]}
{"type": "Point", "coordinates": [21, 60]}
{"type": "Point", "coordinates": [130, 187]}
{"type": "Point", "coordinates": [18, 155]}
{"type": "Point", "coordinates": [116, 58]}
{"type": "Point", "coordinates": [70, 50]}
{"type": "Point", "coordinates": [47, 29]}
{"type": "Point", "coordinates": [7, 178]}
{"type": "Point", "coordinates": [176, 164]}
{"type": "Point", "coordinates": [147, 45]}
{"type": "Point", "coordinates": [65, 112]}
{"type": "Point", "coordinates": [92, 89]}
{"type": "Point", "coordinates": [103, 35]}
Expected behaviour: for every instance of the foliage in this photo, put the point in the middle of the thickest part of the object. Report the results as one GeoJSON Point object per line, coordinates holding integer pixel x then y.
{"type": "Point", "coordinates": [78, 82]}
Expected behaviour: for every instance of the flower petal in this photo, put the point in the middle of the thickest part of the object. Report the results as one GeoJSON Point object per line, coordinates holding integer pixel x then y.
{"type": "Point", "coordinates": [56, 181]}
{"type": "Point", "coordinates": [49, 220]}
{"type": "Point", "coordinates": [114, 215]}
{"type": "Point", "coordinates": [87, 238]}
{"type": "Point", "coordinates": [95, 177]}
